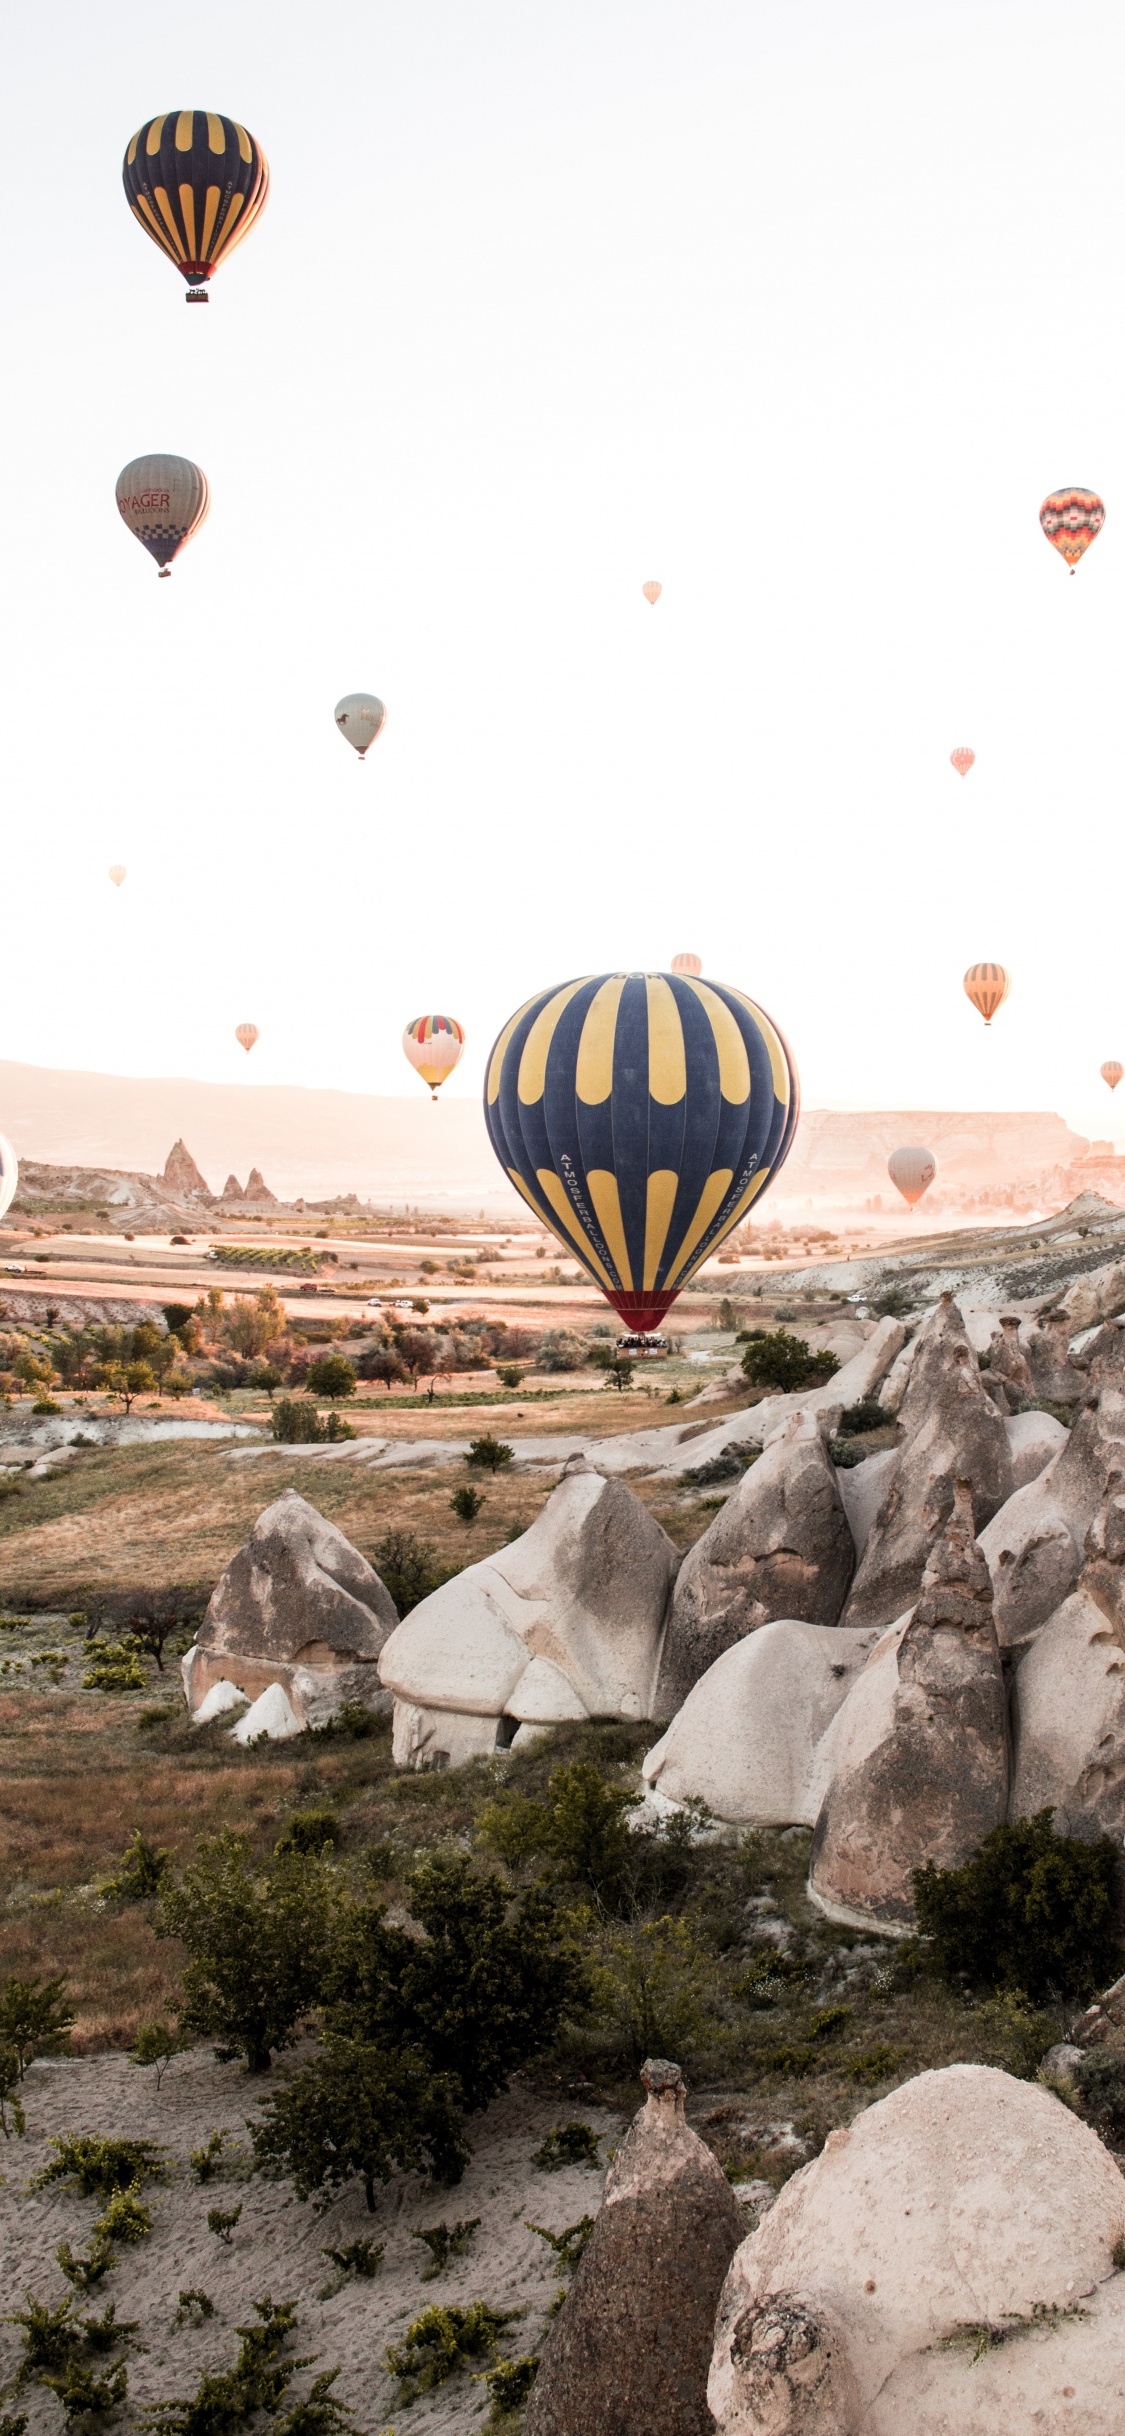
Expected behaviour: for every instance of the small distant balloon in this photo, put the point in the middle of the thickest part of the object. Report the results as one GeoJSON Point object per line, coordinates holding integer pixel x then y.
{"type": "Point", "coordinates": [246, 1034]}
{"type": "Point", "coordinates": [685, 963]}
{"type": "Point", "coordinates": [117, 873]}
{"type": "Point", "coordinates": [912, 1172]}
{"type": "Point", "coordinates": [9, 1174]}
{"type": "Point", "coordinates": [1071, 520]}
{"type": "Point", "coordinates": [652, 592]}
{"type": "Point", "coordinates": [1112, 1072]}
{"type": "Point", "coordinates": [433, 1044]}
{"type": "Point", "coordinates": [963, 758]}
{"type": "Point", "coordinates": [163, 500]}
{"type": "Point", "coordinates": [987, 985]}
{"type": "Point", "coordinates": [360, 718]}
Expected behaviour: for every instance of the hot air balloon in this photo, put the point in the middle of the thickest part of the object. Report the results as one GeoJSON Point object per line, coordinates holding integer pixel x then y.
{"type": "Point", "coordinates": [652, 593]}
{"type": "Point", "coordinates": [117, 873]}
{"type": "Point", "coordinates": [196, 182]}
{"type": "Point", "coordinates": [641, 1115]}
{"type": "Point", "coordinates": [1071, 520]}
{"type": "Point", "coordinates": [963, 758]}
{"type": "Point", "coordinates": [988, 986]}
{"type": "Point", "coordinates": [246, 1034]}
{"type": "Point", "coordinates": [360, 718]}
{"type": "Point", "coordinates": [1112, 1072]}
{"type": "Point", "coordinates": [163, 500]}
{"type": "Point", "coordinates": [9, 1174]}
{"type": "Point", "coordinates": [687, 963]}
{"type": "Point", "coordinates": [912, 1172]}
{"type": "Point", "coordinates": [433, 1043]}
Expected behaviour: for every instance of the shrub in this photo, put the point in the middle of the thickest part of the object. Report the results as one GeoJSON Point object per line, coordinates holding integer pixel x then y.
{"type": "Point", "coordinates": [99, 2166]}
{"type": "Point", "coordinates": [1101, 2087]}
{"type": "Point", "coordinates": [124, 2218]}
{"type": "Point", "coordinates": [222, 2221]}
{"type": "Point", "coordinates": [581, 1826]}
{"type": "Point", "coordinates": [509, 2386]}
{"type": "Point", "coordinates": [114, 1668]}
{"type": "Point", "coordinates": [489, 1454]}
{"type": "Point", "coordinates": [259, 2381]}
{"type": "Point", "coordinates": [650, 1988]}
{"type": "Point", "coordinates": [143, 1871]}
{"type": "Point", "coordinates": [34, 2018]}
{"type": "Point", "coordinates": [257, 1940]}
{"type": "Point", "coordinates": [567, 2144]}
{"type": "Point", "coordinates": [360, 2109]}
{"type": "Point", "coordinates": [559, 1351]}
{"type": "Point", "coordinates": [308, 1831]}
{"type": "Point", "coordinates": [85, 2269]}
{"type": "Point", "coordinates": [1032, 1910]}
{"type": "Point", "coordinates": [730, 1465]}
{"type": "Point", "coordinates": [410, 1568]}
{"type": "Point", "coordinates": [466, 1502]}
{"type": "Point", "coordinates": [10, 2077]}
{"type": "Point", "coordinates": [194, 2306]}
{"type": "Point", "coordinates": [295, 1421]}
{"type": "Point", "coordinates": [509, 1374]}
{"type": "Point", "coordinates": [439, 2341]}
{"type": "Point", "coordinates": [568, 2245]}
{"type": "Point", "coordinates": [331, 1375]}
{"type": "Point", "coordinates": [619, 1372]}
{"type": "Point", "coordinates": [363, 2258]}
{"type": "Point", "coordinates": [777, 1359]}
{"type": "Point", "coordinates": [445, 2242]}
{"type": "Point", "coordinates": [482, 1992]}
{"type": "Point", "coordinates": [867, 1415]}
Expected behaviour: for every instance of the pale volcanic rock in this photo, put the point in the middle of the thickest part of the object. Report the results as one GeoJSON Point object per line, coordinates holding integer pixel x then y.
{"type": "Point", "coordinates": [577, 1605]}
{"type": "Point", "coordinates": [1057, 1379]}
{"type": "Point", "coordinates": [966, 2198]}
{"type": "Point", "coordinates": [1069, 1708]}
{"type": "Point", "coordinates": [862, 1488]}
{"type": "Point", "coordinates": [1033, 1546]}
{"type": "Point", "coordinates": [746, 1738]}
{"type": "Point", "coordinates": [1100, 1295]}
{"type": "Point", "coordinates": [232, 1190]}
{"type": "Point", "coordinates": [1034, 1439]}
{"type": "Point", "coordinates": [1009, 1364]}
{"type": "Point", "coordinates": [953, 1431]}
{"type": "Point", "coordinates": [629, 2354]}
{"type": "Point", "coordinates": [780, 1547]}
{"type": "Point", "coordinates": [182, 1176]}
{"type": "Point", "coordinates": [258, 1190]}
{"type": "Point", "coordinates": [915, 1764]}
{"type": "Point", "coordinates": [298, 1607]}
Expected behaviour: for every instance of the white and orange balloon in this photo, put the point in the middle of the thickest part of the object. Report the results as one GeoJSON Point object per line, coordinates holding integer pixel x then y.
{"type": "Point", "coordinates": [912, 1172]}
{"type": "Point", "coordinates": [962, 758]}
{"type": "Point", "coordinates": [987, 985]}
{"type": "Point", "coordinates": [687, 964]}
{"type": "Point", "coordinates": [433, 1044]}
{"type": "Point", "coordinates": [246, 1034]}
{"type": "Point", "coordinates": [1112, 1072]}
{"type": "Point", "coordinates": [652, 592]}
{"type": "Point", "coordinates": [117, 873]}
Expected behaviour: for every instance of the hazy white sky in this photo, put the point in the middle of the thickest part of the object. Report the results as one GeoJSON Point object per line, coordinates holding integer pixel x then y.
{"type": "Point", "coordinates": [801, 309]}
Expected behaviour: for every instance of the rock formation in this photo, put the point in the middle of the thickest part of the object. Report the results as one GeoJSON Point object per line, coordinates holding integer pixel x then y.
{"type": "Point", "coordinates": [232, 1190]}
{"type": "Point", "coordinates": [566, 1622]}
{"type": "Point", "coordinates": [1070, 1697]}
{"type": "Point", "coordinates": [746, 1738]}
{"type": "Point", "coordinates": [964, 2200]}
{"type": "Point", "coordinates": [915, 1764]}
{"type": "Point", "coordinates": [182, 1176]}
{"type": "Point", "coordinates": [1009, 1364]}
{"type": "Point", "coordinates": [630, 2352]}
{"type": "Point", "coordinates": [1033, 1546]}
{"type": "Point", "coordinates": [862, 1488]}
{"type": "Point", "coordinates": [1033, 1439]}
{"type": "Point", "coordinates": [258, 1190]}
{"type": "Point", "coordinates": [780, 1547]}
{"type": "Point", "coordinates": [299, 1607]}
{"type": "Point", "coordinates": [953, 1431]}
{"type": "Point", "coordinates": [1056, 1378]}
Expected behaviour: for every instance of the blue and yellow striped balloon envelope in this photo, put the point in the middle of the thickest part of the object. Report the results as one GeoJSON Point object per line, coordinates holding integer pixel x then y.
{"type": "Point", "coordinates": [641, 1115]}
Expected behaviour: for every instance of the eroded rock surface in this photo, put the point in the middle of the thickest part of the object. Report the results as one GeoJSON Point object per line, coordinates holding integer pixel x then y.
{"type": "Point", "coordinates": [965, 2199]}
{"type": "Point", "coordinates": [952, 1431]}
{"type": "Point", "coordinates": [1034, 1545]}
{"type": "Point", "coordinates": [915, 1764]}
{"type": "Point", "coordinates": [780, 1547]}
{"type": "Point", "coordinates": [630, 2353]}
{"type": "Point", "coordinates": [746, 1738]}
{"type": "Point", "coordinates": [1055, 1376]}
{"type": "Point", "coordinates": [566, 1622]}
{"type": "Point", "coordinates": [300, 1607]}
{"type": "Point", "coordinates": [1069, 1708]}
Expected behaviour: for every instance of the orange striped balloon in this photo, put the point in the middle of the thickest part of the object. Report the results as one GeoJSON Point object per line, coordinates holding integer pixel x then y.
{"type": "Point", "coordinates": [963, 758]}
{"type": "Point", "coordinates": [433, 1044]}
{"type": "Point", "coordinates": [1112, 1072]}
{"type": "Point", "coordinates": [988, 986]}
{"type": "Point", "coordinates": [1071, 520]}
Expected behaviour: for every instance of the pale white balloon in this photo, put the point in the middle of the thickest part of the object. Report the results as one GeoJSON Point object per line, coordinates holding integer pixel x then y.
{"type": "Point", "coordinates": [360, 718]}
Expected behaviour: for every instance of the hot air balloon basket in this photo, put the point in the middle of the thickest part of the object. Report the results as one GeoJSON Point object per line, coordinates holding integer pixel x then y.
{"type": "Point", "coordinates": [198, 296]}
{"type": "Point", "coordinates": [642, 1344]}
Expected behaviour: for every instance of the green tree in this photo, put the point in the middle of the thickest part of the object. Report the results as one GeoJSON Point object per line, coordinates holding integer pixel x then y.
{"type": "Point", "coordinates": [581, 1826]}
{"type": "Point", "coordinates": [331, 1375]}
{"type": "Point", "coordinates": [34, 2018]}
{"type": "Point", "coordinates": [258, 1939]}
{"type": "Point", "coordinates": [364, 2110]}
{"type": "Point", "coordinates": [782, 1361]}
{"type": "Point", "coordinates": [651, 1988]}
{"type": "Point", "coordinates": [417, 1350]}
{"type": "Point", "coordinates": [383, 1366]}
{"type": "Point", "coordinates": [409, 1567]}
{"type": "Point", "coordinates": [489, 1454]}
{"type": "Point", "coordinates": [122, 1381]}
{"type": "Point", "coordinates": [482, 1992]}
{"type": "Point", "coordinates": [1031, 1910]}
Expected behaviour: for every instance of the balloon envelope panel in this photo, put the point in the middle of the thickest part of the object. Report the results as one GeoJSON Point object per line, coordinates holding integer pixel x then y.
{"type": "Point", "coordinates": [9, 1174]}
{"type": "Point", "coordinates": [641, 1115]}
{"type": "Point", "coordinates": [196, 181]}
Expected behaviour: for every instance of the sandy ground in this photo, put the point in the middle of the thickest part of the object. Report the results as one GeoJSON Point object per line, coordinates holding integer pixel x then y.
{"type": "Point", "coordinates": [278, 2244]}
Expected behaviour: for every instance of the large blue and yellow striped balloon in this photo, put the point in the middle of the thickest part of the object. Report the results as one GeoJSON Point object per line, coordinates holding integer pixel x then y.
{"type": "Point", "coordinates": [641, 1115]}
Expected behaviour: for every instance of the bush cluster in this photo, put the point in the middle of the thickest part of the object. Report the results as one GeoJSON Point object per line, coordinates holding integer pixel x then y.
{"type": "Point", "coordinates": [774, 1358]}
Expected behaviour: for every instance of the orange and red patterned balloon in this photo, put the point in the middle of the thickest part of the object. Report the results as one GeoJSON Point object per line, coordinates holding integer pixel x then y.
{"type": "Point", "coordinates": [1071, 520]}
{"type": "Point", "coordinates": [988, 986]}
{"type": "Point", "coordinates": [962, 758]}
